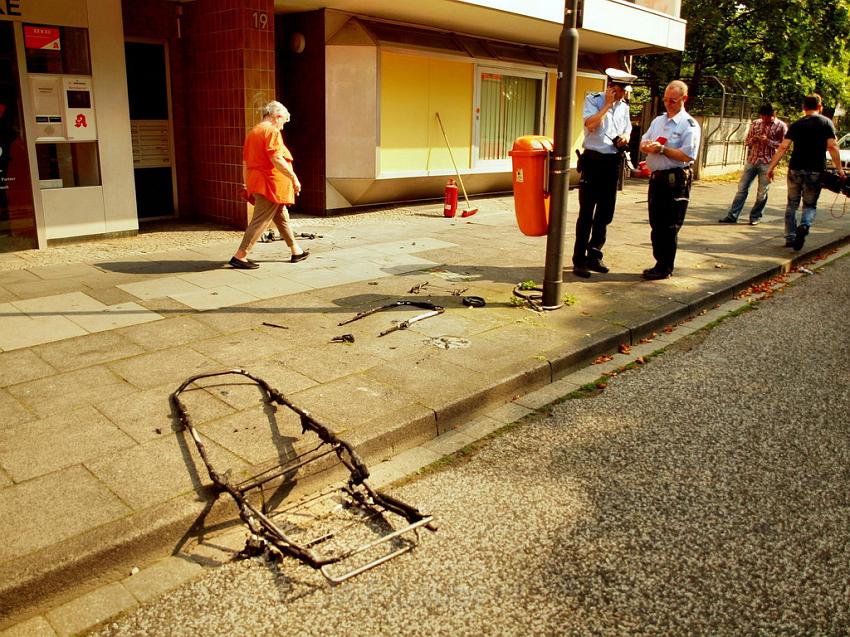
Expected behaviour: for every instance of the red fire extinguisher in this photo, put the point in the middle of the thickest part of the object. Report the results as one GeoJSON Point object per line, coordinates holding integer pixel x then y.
{"type": "Point", "coordinates": [450, 206]}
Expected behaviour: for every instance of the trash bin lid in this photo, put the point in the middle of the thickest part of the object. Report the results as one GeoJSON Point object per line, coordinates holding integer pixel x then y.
{"type": "Point", "coordinates": [530, 145]}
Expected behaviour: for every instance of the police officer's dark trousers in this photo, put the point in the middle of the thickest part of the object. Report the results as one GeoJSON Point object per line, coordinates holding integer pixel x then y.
{"type": "Point", "coordinates": [597, 196]}
{"type": "Point", "coordinates": [668, 202]}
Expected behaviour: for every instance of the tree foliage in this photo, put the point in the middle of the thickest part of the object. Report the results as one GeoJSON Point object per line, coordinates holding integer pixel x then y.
{"type": "Point", "coordinates": [779, 49]}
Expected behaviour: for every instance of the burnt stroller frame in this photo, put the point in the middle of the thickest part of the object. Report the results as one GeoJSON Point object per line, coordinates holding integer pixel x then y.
{"type": "Point", "coordinates": [357, 491]}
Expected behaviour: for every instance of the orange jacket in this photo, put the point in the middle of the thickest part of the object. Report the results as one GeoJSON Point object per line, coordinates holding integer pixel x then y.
{"type": "Point", "coordinates": [261, 144]}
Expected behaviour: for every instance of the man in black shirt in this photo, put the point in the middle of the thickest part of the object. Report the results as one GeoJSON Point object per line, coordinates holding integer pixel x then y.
{"type": "Point", "coordinates": [813, 135]}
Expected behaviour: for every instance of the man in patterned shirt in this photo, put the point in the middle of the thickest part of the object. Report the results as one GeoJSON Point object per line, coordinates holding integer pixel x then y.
{"type": "Point", "coordinates": [764, 137]}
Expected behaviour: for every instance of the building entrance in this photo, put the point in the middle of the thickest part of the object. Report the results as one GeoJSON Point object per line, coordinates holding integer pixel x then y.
{"type": "Point", "coordinates": [17, 216]}
{"type": "Point", "coordinates": [150, 127]}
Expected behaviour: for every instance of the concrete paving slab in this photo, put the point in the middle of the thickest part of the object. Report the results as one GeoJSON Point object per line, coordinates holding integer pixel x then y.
{"type": "Point", "coordinates": [22, 365]}
{"type": "Point", "coordinates": [232, 350]}
{"type": "Point", "coordinates": [215, 278]}
{"type": "Point", "coordinates": [115, 316]}
{"type": "Point", "coordinates": [147, 415]}
{"type": "Point", "coordinates": [336, 362]}
{"type": "Point", "coordinates": [111, 295]}
{"type": "Point", "coordinates": [12, 412]}
{"type": "Point", "coordinates": [50, 510]}
{"type": "Point", "coordinates": [213, 298]}
{"type": "Point", "coordinates": [159, 288]}
{"type": "Point", "coordinates": [13, 277]}
{"type": "Point", "coordinates": [161, 469]}
{"type": "Point", "coordinates": [33, 627]}
{"type": "Point", "coordinates": [21, 330]}
{"type": "Point", "coordinates": [31, 449]}
{"type": "Point", "coordinates": [40, 288]}
{"type": "Point", "coordinates": [68, 390]}
{"type": "Point", "coordinates": [257, 435]}
{"type": "Point", "coordinates": [270, 288]}
{"type": "Point", "coordinates": [345, 403]}
{"type": "Point", "coordinates": [161, 577]}
{"type": "Point", "coordinates": [84, 351]}
{"type": "Point", "coordinates": [404, 464]}
{"type": "Point", "coordinates": [164, 368]}
{"type": "Point", "coordinates": [169, 332]}
{"type": "Point", "coordinates": [276, 372]}
{"type": "Point", "coordinates": [90, 610]}
{"type": "Point", "coordinates": [69, 303]}
{"type": "Point", "coordinates": [65, 271]}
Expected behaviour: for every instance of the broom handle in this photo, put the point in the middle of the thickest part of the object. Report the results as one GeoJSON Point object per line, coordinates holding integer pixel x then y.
{"type": "Point", "coordinates": [451, 155]}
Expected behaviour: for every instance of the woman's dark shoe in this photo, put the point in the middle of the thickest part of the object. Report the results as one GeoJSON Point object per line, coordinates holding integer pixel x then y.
{"type": "Point", "coordinates": [295, 258]}
{"type": "Point", "coordinates": [239, 264]}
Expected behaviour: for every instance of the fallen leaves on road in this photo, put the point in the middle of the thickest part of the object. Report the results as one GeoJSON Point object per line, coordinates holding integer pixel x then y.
{"type": "Point", "coordinates": [624, 348]}
{"type": "Point", "coordinates": [602, 359]}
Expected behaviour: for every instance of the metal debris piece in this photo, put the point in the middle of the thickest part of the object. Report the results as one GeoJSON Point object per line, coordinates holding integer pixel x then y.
{"type": "Point", "coordinates": [426, 286]}
{"type": "Point", "coordinates": [433, 310]}
{"type": "Point", "coordinates": [532, 295]}
{"type": "Point", "coordinates": [473, 301]}
{"type": "Point", "coordinates": [353, 520]}
{"type": "Point", "coordinates": [269, 235]}
{"type": "Point", "coordinates": [345, 338]}
{"type": "Point", "coordinates": [282, 327]}
{"type": "Point", "coordinates": [403, 325]}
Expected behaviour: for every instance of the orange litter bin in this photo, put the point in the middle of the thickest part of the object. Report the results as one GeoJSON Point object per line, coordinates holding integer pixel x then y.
{"type": "Point", "coordinates": [530, 158]}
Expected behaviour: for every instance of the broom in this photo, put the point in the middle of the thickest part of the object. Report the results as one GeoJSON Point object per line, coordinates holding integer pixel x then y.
{"type": "Point", "coordinates": [469, 211]}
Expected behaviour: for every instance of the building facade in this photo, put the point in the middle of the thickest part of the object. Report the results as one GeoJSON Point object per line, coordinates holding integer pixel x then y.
{"type": "Point", "coordinates": [113, 113]}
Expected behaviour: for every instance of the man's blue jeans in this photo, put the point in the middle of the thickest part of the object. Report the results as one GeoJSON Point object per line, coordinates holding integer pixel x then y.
{"type": "Point", "coordinates": [747, 177]}
{"type": "Point", "coordinates": [805, 185]}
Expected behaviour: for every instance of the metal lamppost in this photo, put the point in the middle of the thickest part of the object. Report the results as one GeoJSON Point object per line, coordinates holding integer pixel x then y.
{"type": "Point", "coordinates": [559, 165]}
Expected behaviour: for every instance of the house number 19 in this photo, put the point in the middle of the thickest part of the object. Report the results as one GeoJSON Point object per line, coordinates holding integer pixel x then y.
{"type": "Point", "coordinates": [260, 19]}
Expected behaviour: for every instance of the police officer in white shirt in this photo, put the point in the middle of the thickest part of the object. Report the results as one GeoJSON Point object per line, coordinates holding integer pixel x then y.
{"type": "Point", "coordinates": [607, 127]}
{"type": "Point", "coordinates": [671, 143]}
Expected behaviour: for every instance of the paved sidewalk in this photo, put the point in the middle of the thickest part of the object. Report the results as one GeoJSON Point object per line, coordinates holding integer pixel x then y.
{"type": "Point", "coordinates": [94, 479]}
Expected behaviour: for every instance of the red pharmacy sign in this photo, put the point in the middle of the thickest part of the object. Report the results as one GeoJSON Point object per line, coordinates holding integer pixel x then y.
{"type": "Point", "coordinates": [41, 38]}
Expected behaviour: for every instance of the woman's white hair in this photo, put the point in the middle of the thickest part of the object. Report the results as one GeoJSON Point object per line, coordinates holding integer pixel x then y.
{"type": "Point", "coordinates": [274, 108]}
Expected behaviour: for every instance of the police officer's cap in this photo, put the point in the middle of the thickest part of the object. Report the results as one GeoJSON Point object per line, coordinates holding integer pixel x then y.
{"type": "Point", "coordinates": [621, 78]}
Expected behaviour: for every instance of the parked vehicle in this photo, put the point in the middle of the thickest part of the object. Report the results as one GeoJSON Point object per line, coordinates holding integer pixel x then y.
{"type": "Point", "coordinates": [843, 151]}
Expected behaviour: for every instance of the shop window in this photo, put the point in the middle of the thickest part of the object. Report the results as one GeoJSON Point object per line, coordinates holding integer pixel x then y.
{"type": "Point", "coordinates": [67, 165]}
{"type": "Point", "coordinates": [510, 105]}
{"type": "Point", "coordinates": [57, 50]}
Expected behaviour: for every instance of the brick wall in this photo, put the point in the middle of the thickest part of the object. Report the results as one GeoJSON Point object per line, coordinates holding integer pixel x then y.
{"type": "Point", "coordinates": [229, 75]}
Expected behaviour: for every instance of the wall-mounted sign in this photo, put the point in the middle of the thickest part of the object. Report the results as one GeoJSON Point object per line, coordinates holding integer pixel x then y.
{"type": "Point", "coordinates": [42, 38]}
{"type": "Point", "coordinates": [10, 7]}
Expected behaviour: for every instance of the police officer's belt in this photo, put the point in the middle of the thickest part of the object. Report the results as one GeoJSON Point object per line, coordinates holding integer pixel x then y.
{"type": "Point", "coordinates": [667, 171]}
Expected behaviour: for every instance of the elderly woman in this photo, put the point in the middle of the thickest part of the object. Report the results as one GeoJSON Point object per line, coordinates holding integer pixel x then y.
{"type": "Point", "coordinates": [270, 182]}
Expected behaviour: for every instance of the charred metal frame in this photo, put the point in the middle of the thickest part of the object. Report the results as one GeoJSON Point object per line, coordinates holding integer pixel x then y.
{"type": "Point", "coordinates": [357, 489]}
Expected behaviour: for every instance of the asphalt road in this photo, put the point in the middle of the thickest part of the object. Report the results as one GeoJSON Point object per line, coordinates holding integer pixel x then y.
{"type": "Point", "coordinates": [707, 492]}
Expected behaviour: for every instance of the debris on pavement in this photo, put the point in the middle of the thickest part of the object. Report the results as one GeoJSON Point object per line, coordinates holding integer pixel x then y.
{"type": "Point", "coordinates": [473, 301]}
{"type": "Point", "coordinates": [426, 286]}
{"type": "Point", "coordinates": [345, 338]}
{"type": "Point", "coordinates": [449, 342]}
{"type": "Point", "coordinates": [433, 310]}
{"type": "Point", "coordinates": [530, 293]}
{"type": "Point", "coordinates": [349, 522]}
{"type": "Point", "coordinates": [282, 327]}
